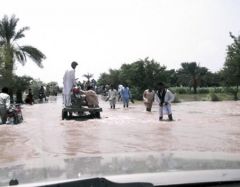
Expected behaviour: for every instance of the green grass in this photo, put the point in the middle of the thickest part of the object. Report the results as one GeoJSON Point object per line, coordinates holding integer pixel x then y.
{"type": "Point", "coordinates": [193, 97]}
{"type": "Point", "coordinates": [199, 97]}
{"type": "Point", "coordinates": [204, 97]}
{"type": "Point", "coordinates": [204, 94]}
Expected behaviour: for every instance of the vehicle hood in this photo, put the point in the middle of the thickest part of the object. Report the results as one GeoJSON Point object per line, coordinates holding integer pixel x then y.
{"type": "Point", "coordinates": [127, 167]}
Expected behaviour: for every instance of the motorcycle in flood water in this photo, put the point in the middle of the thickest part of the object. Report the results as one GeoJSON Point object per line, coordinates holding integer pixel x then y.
{"type": "Point", "coordinates": [41, 97]}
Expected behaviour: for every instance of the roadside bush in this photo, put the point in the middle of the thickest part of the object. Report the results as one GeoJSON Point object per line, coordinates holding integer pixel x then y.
{"type": "Point", "coordinates": [203, 90]}
{"type": "Point", "coordinates": [233, 91]}
{"type": "Point", "coordinates": [176, 99]}
{"type": "Point", "coordinates": [214, 97]}
{"type": "Point", "coordinates": [181, 90]}
{"type": "Point", "coordinates": [218, 90]}
{"type": "Point", "coordinates": [230, 90]}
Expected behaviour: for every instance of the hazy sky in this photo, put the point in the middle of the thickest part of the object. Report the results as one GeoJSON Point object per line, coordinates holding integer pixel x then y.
{"type": "Point", "coordinates": [103, 34]}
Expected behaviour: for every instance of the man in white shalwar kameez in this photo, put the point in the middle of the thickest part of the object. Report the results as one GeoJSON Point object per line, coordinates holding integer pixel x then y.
{"type": "Point", "coordinates": [164, 97]}
{"type": "Point", "coordinates": [4, 104]}
{"type": "Point", "coordinates": [112, 96]}
{"type": "Point", "coordinates": [69, 82]}
{"type": "Point", "coordinates": [120, 87]}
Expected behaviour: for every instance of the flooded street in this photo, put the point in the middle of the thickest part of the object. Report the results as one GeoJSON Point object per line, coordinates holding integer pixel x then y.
{"type": "Point", "coordinates": [44, 140]}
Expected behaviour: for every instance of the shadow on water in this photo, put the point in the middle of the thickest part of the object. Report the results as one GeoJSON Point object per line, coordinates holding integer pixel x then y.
{"type": "Point", "coordinates": [81, 118]}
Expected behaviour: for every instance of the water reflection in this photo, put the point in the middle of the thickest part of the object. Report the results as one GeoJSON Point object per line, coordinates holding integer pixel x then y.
{"type": "Point", "coordinates": [44, 147]}
{"type": "Point", "coordinates": [106, 165]}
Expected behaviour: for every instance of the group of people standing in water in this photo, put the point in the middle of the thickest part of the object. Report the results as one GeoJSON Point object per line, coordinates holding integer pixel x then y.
{"type": "Point", "coordinates": [162, 96]}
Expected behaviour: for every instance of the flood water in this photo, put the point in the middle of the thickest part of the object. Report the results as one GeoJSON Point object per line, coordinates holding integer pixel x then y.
{"type": "Point", "coordinates": [44, 140]}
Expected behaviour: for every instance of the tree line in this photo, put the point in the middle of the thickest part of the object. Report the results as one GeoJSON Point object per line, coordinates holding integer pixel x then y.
{"type": "Point", "coordinates": [141, 74]}
{"type": "Point", "coordinates": [146, 73]}
{"type": "Point", "coordinates": [12, 52]}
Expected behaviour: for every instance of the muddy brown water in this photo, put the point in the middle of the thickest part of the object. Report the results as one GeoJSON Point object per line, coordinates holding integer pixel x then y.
{"type": "Point", "coordinates": [44, 139]}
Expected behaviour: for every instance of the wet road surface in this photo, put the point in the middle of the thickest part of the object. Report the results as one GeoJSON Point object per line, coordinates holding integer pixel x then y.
{"type": "Point", "coordinates": [43, 139]}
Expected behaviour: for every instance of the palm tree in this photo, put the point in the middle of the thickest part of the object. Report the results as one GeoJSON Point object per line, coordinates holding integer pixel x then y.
{"type": "Point", "coordinates": [88, 76]}
{"type": "Point", "coordinates": [192, 72]}
{"type": "Point", "coordinates": [10, 49]}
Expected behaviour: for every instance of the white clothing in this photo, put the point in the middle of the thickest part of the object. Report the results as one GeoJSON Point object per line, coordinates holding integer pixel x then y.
{"type": "Point", "coordinates": [4, 101]}
{"type": "Point", "coordinates": [4, 106]}
{"type": "Point", "coordinates": [112, 96]}
{"type": "Point", "coordinates": [68, 83]}
{"type": "Point", "coordinates": [120, 87]}
{"type": "Point", "coordinates": [169, 97]}
{"type": "Point", "coordinates": [166, 107]}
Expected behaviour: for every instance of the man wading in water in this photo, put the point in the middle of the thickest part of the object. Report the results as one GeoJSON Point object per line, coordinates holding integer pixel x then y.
{"type": "Point", "coordinates": [148, 98]}
{"type": "Point", "coordinates": [164, 97]}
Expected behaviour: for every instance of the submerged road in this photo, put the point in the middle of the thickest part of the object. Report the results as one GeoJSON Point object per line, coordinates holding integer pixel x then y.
{"type": "Point", "coordinates": [43, 139]}
{"type": "Point", "coordinates": [197, 126]}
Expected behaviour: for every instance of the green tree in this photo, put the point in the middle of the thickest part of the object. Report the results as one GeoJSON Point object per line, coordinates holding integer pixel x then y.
{"type": "Point", "coordinates": [211, 79]}
{"type": "Point", "coordinates": [52, 88]}
{"type": "Point", "coordinates": [35, 86]}
{"type": "Point", "coordinates": [231, 70]}
{"type": "Point", "coordinates": [191, 74]}
{"type": "Point", "coordinates": [139, 75]}
{"type": "Point", "coordinates": [114, 78]}
{"type": "Point", "coordinates": [111, 78]}
{"type": "Point", "coordinates": [20, 84]}
{"type": "Point", "coordinates": [172, 78]}
{"type": "Point", "coordinates": [11, 50]}
{"type": "Point", "coordinates": [143, 73]}
{"type": "Point", "coordinates": [104, 79]}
